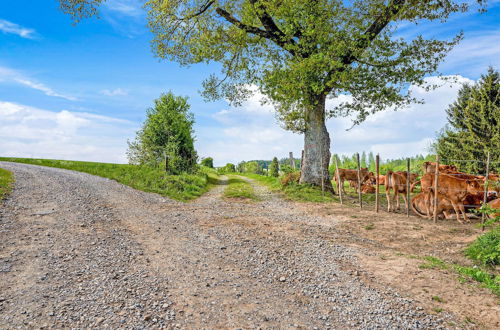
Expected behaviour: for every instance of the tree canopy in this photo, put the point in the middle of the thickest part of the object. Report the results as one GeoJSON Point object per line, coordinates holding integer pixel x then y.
{"type": "Point", "coordinates": [166, 132]}
{"type": "Point", "coordinates": [473, 127]}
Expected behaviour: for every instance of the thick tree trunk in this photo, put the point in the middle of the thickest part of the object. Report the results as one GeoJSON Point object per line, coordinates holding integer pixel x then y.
{"type": "Point", "coordinates": [316, 148]}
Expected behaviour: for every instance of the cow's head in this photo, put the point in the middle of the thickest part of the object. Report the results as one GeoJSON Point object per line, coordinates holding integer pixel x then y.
{"type": "Point", "coordinates": [474, 187]}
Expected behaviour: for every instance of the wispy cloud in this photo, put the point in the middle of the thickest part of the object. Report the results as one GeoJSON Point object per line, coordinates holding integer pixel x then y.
{"type": "Point", "coordinates": [10, 75]}
{"type": "Point", "coordinates": [125, 7]}
{"type": "Point", "coordinates": [13, 28]}
{"type": "Point", "coordinates": [114, 92]}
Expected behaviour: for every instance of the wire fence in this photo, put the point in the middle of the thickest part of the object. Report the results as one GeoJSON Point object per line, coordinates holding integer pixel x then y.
{"type": "Point", "coordinates": [459, 194]}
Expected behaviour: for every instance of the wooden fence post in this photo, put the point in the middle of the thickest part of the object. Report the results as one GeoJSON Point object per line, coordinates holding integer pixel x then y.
{"type": "Point", "coordinates": [338, 179]}
{"type": "Point", "coordinates": [359, 182]}
{"type": "Point", "coordinates": [485, 197]}
{"type": "Point", "coordinates": [408, 185]}
{"type": "Point", "coordinates": [377, 167]}
{"type": "Point", "coordinates": [292, 162]}
{"type": "Point", "coordinates": [436, 184]}
{"type": "Point", "coordinates": [301, 160]}
{"type": "Point", "coordinates": [166, 160]}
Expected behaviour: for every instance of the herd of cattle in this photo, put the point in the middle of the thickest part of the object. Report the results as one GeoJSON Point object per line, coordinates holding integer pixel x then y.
{"type": "Point", "coordinates": [457, 191]}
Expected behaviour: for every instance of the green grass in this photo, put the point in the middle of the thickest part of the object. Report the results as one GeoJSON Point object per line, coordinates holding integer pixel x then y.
{"type": "Point", "coordinates": [486, 248]}
{"type": "Point", "coordinates": [181, 187]}
{"type": "Point", "coordinates": [438, 299]}
{"type": "Point", "coordinates": [370, 226]}
{"type": "Point", "coordinates": [6, 180]}
{"type": "Point", "coordinates": [296, 192]}
{"type": "Point", "coordinates": [477, 274]}
{"type": "Point", "coordinates": [239, 188]}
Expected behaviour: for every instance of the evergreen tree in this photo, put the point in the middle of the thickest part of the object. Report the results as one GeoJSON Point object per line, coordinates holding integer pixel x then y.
{"type": "Point", "coordinates": [208, 162]}
{"type": "Point", "coordinates": [274, 168]}
{"type": "Point", "coordinates": [363, 160]}
{"type": "Point", "coordinates": [371, 162]}
{"type": "Point", "coordinates": [473, 127]}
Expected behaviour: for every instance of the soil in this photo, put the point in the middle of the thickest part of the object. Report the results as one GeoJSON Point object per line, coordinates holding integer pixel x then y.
{"type": "Point", "coordinates": [82, 251]}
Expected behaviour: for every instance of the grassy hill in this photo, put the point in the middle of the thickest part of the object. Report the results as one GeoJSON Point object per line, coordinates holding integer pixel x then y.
{"type": "Point", "coordinates": [182, 187]}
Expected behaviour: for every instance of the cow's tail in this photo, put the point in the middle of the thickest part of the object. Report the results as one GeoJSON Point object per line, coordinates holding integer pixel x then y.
{"type": "Point", "coordinates": [416, 210]}
{"type": "Point", "coordinates": [388, 179]}
{"type": "Point", "coordinates": [413, 185]}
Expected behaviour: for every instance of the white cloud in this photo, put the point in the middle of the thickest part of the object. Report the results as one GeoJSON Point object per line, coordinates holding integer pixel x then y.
{"type": "Point", "coordinates": [31, 132]}
{"type": "Point", "coordinates": [251, 132]}
{"type": "Point", "coordinates": [474, 54]}
{"type": "Point", "coordinates": [125, 7]}
{"type": "Point", "coordinates": [13, 28]}
{"type": "Point", "coordinates": [9, 75]}
{"type": "Point", "coordinates": [114, 92]}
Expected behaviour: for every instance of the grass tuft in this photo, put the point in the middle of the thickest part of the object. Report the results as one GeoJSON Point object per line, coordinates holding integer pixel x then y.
{"type": "Point", "coordinates": [239, 188]}
{"type": "Point", "coordinates": [6, 181]}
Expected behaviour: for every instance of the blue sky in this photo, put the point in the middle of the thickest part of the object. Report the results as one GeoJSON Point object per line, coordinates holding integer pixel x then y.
{"type": "Point", "coordinates": [79, 92]}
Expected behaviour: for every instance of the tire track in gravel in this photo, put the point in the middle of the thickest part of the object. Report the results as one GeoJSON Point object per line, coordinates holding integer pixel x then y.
{"type": "Point", "coordinates": [82, 251]}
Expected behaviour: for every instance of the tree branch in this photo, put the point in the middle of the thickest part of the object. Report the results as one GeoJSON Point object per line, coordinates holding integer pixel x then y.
{"type": "Point", "coordinates": [203, 9]}
{"type": "Point", "coordinates": [370, 34]}
{"type": "Point", "coordinates": [271, 34]}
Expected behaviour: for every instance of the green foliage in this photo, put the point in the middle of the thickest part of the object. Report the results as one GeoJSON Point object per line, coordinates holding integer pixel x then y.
{"type": "Point", "coordinates": [208, 162]}
{"type": "Point", "coordinates": [228, 168]}
{"type": "Point", "coordinates": [274, 168]}
{"type": "Point", "coordinates": [286, 169]}
{"type": "Point", "coordinates": [486, 248]}
{"type": "Point", "coordinates": [239, 188]}
{"type": "Point", "coordinates": [473, 125]}
{"type": "Point", "coordinates": [252, 167]}
{"type": "Point", "coordinates": [182, 187]}
{"type": "Point", "coordinates": [6, 181]}
{"type": "Point", "coordinates": [477, 274]}
{"type": "Point", "coordinates": [167, 131]}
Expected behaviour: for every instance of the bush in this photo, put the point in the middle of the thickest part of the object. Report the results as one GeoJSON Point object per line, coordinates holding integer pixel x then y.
{"type": "Point", "coordinates": [208, 162]}
{"type": "Point", "coordinates": [274, 168]}
{"type": "Point", "coordinates": [289, 178]}
{"type": "Point", "coordinates": [486, 248]}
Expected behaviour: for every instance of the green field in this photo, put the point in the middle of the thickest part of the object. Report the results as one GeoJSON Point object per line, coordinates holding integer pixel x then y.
{"type": "Point", "coordinates": [6, 180]}
{"type": "Point", "coordinates": [182, 187]}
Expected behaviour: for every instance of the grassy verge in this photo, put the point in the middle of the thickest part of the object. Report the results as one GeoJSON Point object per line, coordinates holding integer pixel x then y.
{"type": "Point", "coordinates": [239, 188]}
{"type": "Point", "coordinates": [181, 187]}
{"type": "Point", "coordinates": [6, 180]}
{"type": "Point", "coordinates": [294, 191]}
{"type": "Point", "coordinates": [476, 273]}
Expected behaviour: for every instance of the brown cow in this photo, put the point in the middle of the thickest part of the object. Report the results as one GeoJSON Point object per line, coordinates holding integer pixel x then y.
{"type": "Point", "coordinates": [397, 181]}
{"type": "Point", "coordinates": [430, 167]}
{"type": "Point", "coordinates": [381, 179]}
{"type": "Point", "coordinates": [495, 204]}
{"type": "Point", "coordinates": [456, 191]}
{"type": "Point", "coordinates": [368, 189]}
{"type": "Point", "coordinates": [350, 175]}
{"type": "Point", "coordinates": [444, 208]}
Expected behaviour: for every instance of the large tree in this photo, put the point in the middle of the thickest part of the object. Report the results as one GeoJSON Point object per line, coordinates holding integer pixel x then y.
{"type": "Point", "coordinates": [473, 127]}
{"type": "Point", "coordinates": [299, 53]}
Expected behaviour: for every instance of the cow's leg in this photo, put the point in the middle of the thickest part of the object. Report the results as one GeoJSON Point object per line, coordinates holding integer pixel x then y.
{"type": "Point", "coordinates": [396, 196]}
{"type": "Point", "coordinates": [388, 196]}
{"type": "Point", "coordinates": [406, 201]}
{"type": "Point", "coordinates": [457, 210]}
{"type": "Point", "coordinates": [462, 210]}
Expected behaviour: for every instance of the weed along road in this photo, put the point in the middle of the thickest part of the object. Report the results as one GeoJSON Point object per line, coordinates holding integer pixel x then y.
{"type": "Point", "coordinates": [78, 250]}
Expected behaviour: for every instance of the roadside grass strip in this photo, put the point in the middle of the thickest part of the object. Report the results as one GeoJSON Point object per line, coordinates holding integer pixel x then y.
{"type": "Point", "coordinates": [182, 187]}
{"type": "Point", "coordinates": [239, 188]}
{"type": "Point", "coordinates": [6, 182]}
{"type": "Point", "coordinates": [475, 273]}
{"type": "Point", "coordinates": [294, 191]}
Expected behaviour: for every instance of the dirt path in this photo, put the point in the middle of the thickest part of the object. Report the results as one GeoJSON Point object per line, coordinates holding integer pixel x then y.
{"type": "Point", "coordinates": [82, 251]}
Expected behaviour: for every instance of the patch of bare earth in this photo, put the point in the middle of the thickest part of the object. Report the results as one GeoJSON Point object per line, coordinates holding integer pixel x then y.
{"type": "Point", "coordinates": [392, 246]}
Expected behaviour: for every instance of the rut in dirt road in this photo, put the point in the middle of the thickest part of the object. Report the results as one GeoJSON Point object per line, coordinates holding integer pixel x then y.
{"type": "Point", "coordinates": [81, 251]}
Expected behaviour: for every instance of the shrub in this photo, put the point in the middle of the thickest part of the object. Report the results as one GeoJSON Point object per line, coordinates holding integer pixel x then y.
{"type": "Point", "coordinates": [486, 248]}
{"type": "Point", "coordinates": [274, 168]}
{"type": "Point", "coordinates": [292, 177]}
{"type": "Point", "coordinates": [208, 162]}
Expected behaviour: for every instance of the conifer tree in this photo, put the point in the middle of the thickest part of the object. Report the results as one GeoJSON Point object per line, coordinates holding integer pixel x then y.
{"type": "Point", "coordinates": [473, 127]}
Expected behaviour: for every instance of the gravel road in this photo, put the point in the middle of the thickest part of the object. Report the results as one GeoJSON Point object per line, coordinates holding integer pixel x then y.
{"type": "Point", "coordinates": [82, 251]}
